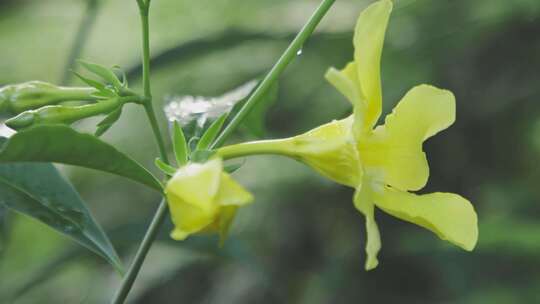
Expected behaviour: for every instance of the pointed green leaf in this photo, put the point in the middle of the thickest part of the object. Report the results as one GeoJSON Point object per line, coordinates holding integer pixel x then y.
{"type": "Point", "coordinates": [167, 169]}
{"type": "Point", "coordinates": [201, 156]}
{"type": "Point", "coordinates": [108, 121]}
{"type": "Point", "coordinates": [180, 145]}
{"type": "Point", "coordinates": [61, 144]}
{"type": "Point", "coordinates": [93, 83]}
{"type": "Point", "coordinates": [39, 191]}
{"type": "Point", "coordinates": [232, 167]}
{"type": "Point", "coordinates": [210, 134]}
{"type": "Point", "coordinates": [124, 76]}
{"type": "Point", "coordinates": [192, 143]}
{"type": "Point", "coordinates": [103, 72]}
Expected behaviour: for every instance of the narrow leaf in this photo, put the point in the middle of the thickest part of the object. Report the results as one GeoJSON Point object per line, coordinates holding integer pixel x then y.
{"type": "Point", "coordinates": [93, 83]}
{"type": "Point", "coordinates": [212, 132]}
{"type": "Point", "coordinates": [109, 120]}
{"type": "Point", "coordinates": [179, 145]}
{"type": "Point", "coordinates": [103, 72]}
{"type": "Point", "coordinates": [233, 167]}
{"type": "Point", "coordinates": [192, 143]}
{"type": "Point", "coordinates": [167, 169]}
{"type": "Point", "coordinates": [201, 156]}
{"type": "Point", "coordinates": [39, 191]}
{"type": "Point", "coordinates": [124, 76]}
{"type": "Point", "coordinates": [61, 144]}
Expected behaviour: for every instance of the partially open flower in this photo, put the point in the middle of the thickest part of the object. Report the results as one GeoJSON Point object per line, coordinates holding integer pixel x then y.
{"type": "Point", "coordinates": [203, 198]}
{"type": "Point", "coordinates": [384, 163]}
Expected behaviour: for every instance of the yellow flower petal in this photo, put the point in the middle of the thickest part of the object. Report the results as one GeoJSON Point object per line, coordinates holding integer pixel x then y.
{"type": "Point", "coordinates": [226, 218]}
{"type": "Point", "coordinates": [197, 184]}
{"type": "Point", "coordinates": [346, 82]}
{"type": "Point", "coordinates": [230, 193]}
{"type": "Point", "coordinates": [395, 149]}
{"type": "Point", "coordinates": [423, 112]}
{"type": "Point", "coordinates": [368, 43]}
{"type": "Point", "coordinates": [448, 215]}
{"type": "Point", "coordinates": [363, 201]}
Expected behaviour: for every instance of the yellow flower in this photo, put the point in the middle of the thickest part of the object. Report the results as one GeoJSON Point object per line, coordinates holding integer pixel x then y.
{"type": "Point", "coordinates": [382, 163]}
{"type": "Point", "coordinates": [203, 198]}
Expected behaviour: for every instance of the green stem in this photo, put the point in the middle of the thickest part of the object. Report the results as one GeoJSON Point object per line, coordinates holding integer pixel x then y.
{"type": "Point", "coordinates": [272, 76]}
{"type": "Point", "coordinates": [275, 72]}
{"type": "Point", "coordinates": [148, 106]}
{"type": "Point", "coordinates": [161, 212]}
{"type": "Point", "coordinates": [138, 260]}
{"type": "Point", "coordinates": [274, 146]}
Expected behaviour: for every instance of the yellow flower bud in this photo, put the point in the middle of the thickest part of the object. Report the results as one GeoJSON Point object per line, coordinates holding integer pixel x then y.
{"type": "Point", "coordinates": [203, 198]}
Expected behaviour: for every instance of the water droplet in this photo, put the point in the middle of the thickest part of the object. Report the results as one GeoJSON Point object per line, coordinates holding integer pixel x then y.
{"type": "Point", "coordinates": [299, 52]}
{"type": "Point", "coordinates": [188, 109]}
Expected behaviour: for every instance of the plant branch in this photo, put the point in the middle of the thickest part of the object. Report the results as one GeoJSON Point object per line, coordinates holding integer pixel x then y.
{"type": "Point", "coordinates": [138, 260]}
{"type": "Point", "coordinates": [161, 212]}
{"type": "Point", "coordinates": [272, 76]}
{"type": "Point", "coordinates": [148, 105]}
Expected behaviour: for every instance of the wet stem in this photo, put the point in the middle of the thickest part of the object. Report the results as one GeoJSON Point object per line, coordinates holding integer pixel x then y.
{"type": "Point", "coordinates": [272, 76]}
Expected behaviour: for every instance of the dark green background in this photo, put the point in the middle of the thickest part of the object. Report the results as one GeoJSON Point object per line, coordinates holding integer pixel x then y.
{"type": "Point", "coordinates": [302, 240]}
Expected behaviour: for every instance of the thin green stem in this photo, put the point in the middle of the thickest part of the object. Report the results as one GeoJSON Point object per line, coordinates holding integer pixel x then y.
{"type": "Point", "coordinates": [138, 260]}
{"type": "Point", "coordinates": [161, 212]}
{"type": "Point", "coordinates": [148, 106]}
{"type": "Point", "coordinates": [157, 133]}
{"type": "Point", "coordinates": [274, 146]}
{"type": "Point", "coordinates": [272, 76]}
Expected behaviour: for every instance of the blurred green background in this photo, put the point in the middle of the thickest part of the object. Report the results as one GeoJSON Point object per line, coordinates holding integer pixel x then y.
{"type": "Point", "coordinates": [302, 241]}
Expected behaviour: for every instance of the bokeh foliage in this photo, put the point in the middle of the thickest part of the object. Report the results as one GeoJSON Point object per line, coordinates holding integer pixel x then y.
{"type": "Point", "coordinates": [302, 240]}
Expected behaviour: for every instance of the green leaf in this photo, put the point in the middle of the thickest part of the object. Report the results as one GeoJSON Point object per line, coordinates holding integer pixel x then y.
{"type": "Point", "coordinates": [167, 169]}
{"type": "Point", "coordinates": [103, 72]}
{"type": "Point", "coordinates": [210, 134]}
{"type": "Point", "coordinates": [108, 121]}
{"type": "Point", "coordinates": [124, 76]}
{"type": "Point", "coordinates": [201, 156]}
{"type": "Point", "coordinates": [61, 144]}
{"type": "Point", "coordinates": [39, 191]}
{"type": "Point", "coordinates": [96, 84]}
{"type": "Point", "coordinates": [233, 167]}
{"type": "Point", "coordinates": [179, 145]}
